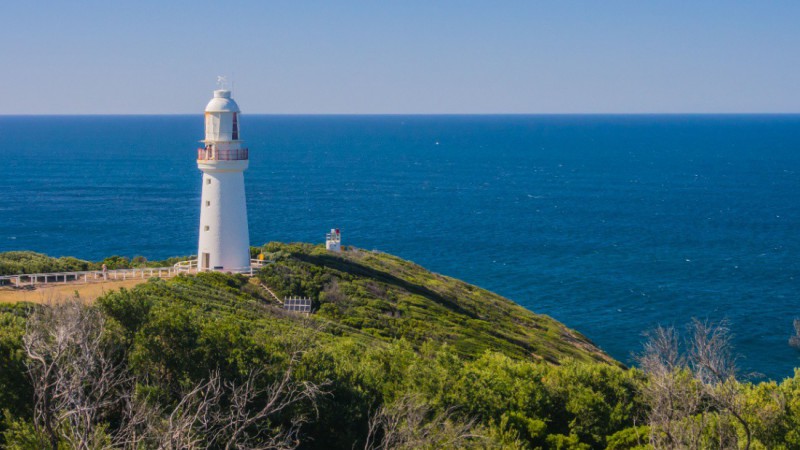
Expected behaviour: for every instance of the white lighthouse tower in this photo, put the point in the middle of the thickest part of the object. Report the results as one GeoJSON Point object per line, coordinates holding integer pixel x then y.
{"type": "Point", "coordinates": [224, 237]}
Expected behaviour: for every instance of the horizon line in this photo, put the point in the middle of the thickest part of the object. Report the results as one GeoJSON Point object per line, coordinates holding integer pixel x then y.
{"type": "Point", "coordinates": [421, 114]}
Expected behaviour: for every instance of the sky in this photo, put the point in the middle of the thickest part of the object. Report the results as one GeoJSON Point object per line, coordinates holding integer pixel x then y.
{"type": "Point", "coordinates": [401, 57]}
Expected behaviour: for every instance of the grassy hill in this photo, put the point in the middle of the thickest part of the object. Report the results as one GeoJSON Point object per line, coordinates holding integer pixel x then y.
{"type": "Point", "coordinates": [388, 297]}
{"type": "Point", "coordinates": [382, 296]}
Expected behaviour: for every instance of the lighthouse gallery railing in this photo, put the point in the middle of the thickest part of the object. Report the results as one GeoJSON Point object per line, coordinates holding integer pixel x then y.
{"type": "Point", "coordinates": [212, 154]}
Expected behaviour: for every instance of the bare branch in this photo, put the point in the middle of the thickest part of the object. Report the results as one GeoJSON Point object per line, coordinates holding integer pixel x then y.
{"type": "Point", "coordinates": [674, 396]}
{"type": "Point", "coordinates": [685, 393]}
{"type": "Point", "coordinates": [710, 352]}
{"type": "Point", "coordinates": [72, 372]}
{"type": "Point", "coordinates": [409, 424]}
{"type": "Point", "coordinates": [78, 387]}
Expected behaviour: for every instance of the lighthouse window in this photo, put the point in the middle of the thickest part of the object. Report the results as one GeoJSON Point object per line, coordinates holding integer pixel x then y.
{"type": "Point", "coordinates": [235, 127]}
{"type": "Point", "coordinates": [206, 228]}
{"type": "Point", "coordinates": [208, 180]}
{"type": "Point", "coordinates": [208, 202]}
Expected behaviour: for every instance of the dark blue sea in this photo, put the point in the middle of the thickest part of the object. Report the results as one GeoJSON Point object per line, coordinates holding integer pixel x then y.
{"type": "Point", "coordinates": [610, 224]}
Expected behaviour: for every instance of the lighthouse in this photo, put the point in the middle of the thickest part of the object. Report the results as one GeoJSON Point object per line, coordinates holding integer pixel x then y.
{"type": "Point", "coordinates": [224, 238]}
{"type": "Point", "coordinates": [333, 241]}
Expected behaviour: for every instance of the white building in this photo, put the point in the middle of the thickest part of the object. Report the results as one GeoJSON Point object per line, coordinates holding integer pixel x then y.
{"type": "Point", "coordinates": [333, 241]}
{"type": "Point", "coordinates": [224, 238]}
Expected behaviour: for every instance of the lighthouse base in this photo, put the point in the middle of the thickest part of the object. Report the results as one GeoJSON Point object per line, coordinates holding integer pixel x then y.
{"type": "Point", "coordinates": [224, 243]}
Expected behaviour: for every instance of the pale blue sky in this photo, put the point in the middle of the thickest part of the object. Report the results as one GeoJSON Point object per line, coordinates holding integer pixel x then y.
{"type": "Point", "coordinates": [637, 56]}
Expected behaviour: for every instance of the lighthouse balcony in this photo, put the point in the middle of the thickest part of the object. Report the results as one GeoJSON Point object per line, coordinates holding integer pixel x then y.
{"type": "Point", "coordinates": [212, 154]}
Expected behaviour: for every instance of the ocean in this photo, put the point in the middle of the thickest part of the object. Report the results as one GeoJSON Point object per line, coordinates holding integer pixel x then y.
{"type": "Point", "coordinates": [610, 224]}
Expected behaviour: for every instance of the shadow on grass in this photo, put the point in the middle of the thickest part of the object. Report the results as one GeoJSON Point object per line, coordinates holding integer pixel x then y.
{"type": "Point", "coordinates": [354, 268]}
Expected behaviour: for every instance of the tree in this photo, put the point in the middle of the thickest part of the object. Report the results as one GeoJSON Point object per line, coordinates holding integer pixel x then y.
{"type": "Point", "coordinates": [224, 414]}
{"type": "Point", "coordinates": [76, 382]}
{"type": "Point", "coordinates": [690, 391]}
{"type": "Point", "coordinates": [79, 386]}
{"type": "Point", "coordinates": [672, 393]}
{"type": "Point", "coordinates": [715, 368]}
{"type": "Point", "coordinates": [409, 424]}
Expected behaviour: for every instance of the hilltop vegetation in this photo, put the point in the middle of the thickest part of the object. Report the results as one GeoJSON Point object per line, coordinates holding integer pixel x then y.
{"type": "Point", "coordinates": [21, 262]}
{"type": "Point", "coordinates": [388, 297]}
{"type": "Point", "coordinates": [394, 357]}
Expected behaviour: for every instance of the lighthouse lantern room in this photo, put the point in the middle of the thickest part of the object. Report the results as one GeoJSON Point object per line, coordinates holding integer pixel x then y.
{"type": "Point", "coordinates": [224, 242]}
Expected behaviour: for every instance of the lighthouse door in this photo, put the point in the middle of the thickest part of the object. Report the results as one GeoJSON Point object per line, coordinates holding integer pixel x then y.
{"type": "Point", "coordinates": [205, 261]}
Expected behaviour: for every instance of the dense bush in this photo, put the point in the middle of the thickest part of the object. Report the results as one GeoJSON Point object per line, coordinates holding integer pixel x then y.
{"type": "Point", "coordinates": [13, 263]}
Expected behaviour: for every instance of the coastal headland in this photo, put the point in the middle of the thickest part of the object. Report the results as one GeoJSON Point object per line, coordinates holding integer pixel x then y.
{"type": "Point", "coordinates": [391, 356]}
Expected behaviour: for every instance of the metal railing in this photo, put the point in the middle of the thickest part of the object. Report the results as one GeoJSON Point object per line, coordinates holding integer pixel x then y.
{"type": "Point", "coordinates": [259, 263]}
{"type": "Point", "coordinates": [255, 264]}
{"type": "Point", "coordinates": [188, 264]}
{"type": "Point", "coordinates": [212, 154]}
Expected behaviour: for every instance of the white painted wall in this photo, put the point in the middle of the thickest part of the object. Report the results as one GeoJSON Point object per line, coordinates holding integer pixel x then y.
{"type": "Point", "coordinates": [219, 126]}
{"type": "Point", "coordinates": [219, 117]}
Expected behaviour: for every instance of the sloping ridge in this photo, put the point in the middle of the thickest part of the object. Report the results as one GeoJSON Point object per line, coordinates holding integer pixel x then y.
{"type": "Point", "coordinates": [393, 298]}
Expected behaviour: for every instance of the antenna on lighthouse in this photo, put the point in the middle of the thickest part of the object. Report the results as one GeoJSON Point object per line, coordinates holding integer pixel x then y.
{"type": "Point", "coordinates": [222, 82]}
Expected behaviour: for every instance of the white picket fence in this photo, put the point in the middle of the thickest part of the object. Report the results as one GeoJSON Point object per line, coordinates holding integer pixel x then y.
{"type": "Point", "coordinates": [91, 276]}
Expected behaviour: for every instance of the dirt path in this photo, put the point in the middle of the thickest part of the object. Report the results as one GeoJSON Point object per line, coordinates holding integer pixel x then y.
{"type": "Point", "coordinates": [43, 293]}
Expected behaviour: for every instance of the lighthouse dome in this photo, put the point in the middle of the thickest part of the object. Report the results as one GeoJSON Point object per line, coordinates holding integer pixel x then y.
{"type": "Point", "coordinates": [222, 102]}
